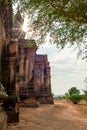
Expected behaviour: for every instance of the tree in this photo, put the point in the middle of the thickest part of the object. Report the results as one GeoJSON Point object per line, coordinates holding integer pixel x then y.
{"type": "Point", "coordinates": [85, 91]}
{"type": "Point", "coordinates": [64, 20]}
{"type": "Point", "coordinates": [73, 90]}
{"type": "Point", "coordinates": [73, 95]}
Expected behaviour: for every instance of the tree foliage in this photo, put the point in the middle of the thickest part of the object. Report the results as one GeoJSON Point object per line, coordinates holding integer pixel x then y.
{"type": "Point", "coordinates": [85, 90]}
{"type": "Point", "coordinates": [72, 91]}
{"type": "Point", "coordinates": [73, 95]}
{"type": "Point", "coordinates": [64, 20]}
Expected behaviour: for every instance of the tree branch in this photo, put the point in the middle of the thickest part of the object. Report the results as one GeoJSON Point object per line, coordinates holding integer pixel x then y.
{"type": "Point", "coordinates": [73, 18]}
{"type": "Point", "coordinates": [66, 14]}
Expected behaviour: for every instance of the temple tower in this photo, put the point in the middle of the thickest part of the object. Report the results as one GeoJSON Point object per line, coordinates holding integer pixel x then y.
{"type": "Point", "coordinates": [27, 53]}
{"type": "Point", "coordinates": [42, 80]}
{"type": "Point", "coordinates": [8, 64]}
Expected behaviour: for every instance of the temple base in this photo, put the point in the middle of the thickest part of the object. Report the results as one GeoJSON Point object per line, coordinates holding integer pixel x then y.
{"type": "Point", "coordinates": [46, 99]}
{"type": "Point", "coordinates": [11, 107]}
{"type": "Point", "coordinates": [12, 116]}
{"type": "Point", "coordinates": [30, 102]}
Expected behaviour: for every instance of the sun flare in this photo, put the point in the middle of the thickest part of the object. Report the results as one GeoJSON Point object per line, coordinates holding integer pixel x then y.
{"type": "Point", "coordinates": [25, 26]}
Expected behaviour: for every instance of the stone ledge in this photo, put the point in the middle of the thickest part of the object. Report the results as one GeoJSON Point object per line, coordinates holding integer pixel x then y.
{"type": "Point", "coordinates": [3, 120]}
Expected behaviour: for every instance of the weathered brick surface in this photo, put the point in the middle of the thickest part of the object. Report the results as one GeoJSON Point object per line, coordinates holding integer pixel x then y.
{"type": "Point", "coordinates": [3, 121]}
{"type": "Point", "coordinates": [35, 67]}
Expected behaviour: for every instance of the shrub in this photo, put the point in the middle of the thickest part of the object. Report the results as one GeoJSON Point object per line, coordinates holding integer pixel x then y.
{"type": "Point", "coordinates": [73, 95]}
{"type": "Point", "coordinates": [84, 97]}
{"type": "Point", "coordinates": [85, 94]}
{"type": "Point", "coordinates": [75, 98]}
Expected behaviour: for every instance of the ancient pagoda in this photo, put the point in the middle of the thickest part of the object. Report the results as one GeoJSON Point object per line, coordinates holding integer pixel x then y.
{"type": "Point", "coordinates": [34, 70]}
{"type": "Point", "coordinates": [34, 74]}
{"type": "Point", "coordinates": [25, 74]}
{"type": "Point", "coordinates": [8, 63]}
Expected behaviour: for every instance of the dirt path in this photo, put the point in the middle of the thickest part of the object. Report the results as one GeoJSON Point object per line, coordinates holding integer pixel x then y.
{"type": "Point", "coordinates": [60, 116]}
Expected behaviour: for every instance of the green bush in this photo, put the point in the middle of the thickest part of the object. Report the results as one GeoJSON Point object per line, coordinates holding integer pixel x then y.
{"type": "Point", "coordinates": [75, 98]}
{"type": "Point", "coordinates": [73, 95]}
{"type": "Point", "coordinates": [85, 94]}
{"type": "Point", "coordinates": [84, 97]}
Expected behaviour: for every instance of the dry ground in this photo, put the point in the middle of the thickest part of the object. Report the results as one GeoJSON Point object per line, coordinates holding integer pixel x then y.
{"type": "Point", "coordinates": [60, 116]}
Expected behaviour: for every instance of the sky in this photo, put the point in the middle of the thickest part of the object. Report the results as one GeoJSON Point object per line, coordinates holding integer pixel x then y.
{"type": "Point", "coordinates": [66, 70]}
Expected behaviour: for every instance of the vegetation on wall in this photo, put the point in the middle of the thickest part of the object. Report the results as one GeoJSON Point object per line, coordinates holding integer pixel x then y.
{"type": "Point", "coordinates": [3, 94]}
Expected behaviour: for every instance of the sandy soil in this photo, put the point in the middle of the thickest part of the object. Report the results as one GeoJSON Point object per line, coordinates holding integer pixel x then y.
{"type": "Point", "coordinates": [60, 116]}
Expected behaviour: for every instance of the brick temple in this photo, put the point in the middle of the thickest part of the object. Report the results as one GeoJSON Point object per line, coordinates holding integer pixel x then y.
{"type": "Point", "coordinates": [34, 74]}
{"type": "Point", "coordinates": [25, 74]}
{"type": "Point", "coordinates": [33, 70]}
{"type": "Point", "coordinates": [29, 73]}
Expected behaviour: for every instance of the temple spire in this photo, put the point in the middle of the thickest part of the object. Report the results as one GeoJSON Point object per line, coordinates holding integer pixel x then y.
{"type": "Point", "coordinates": [17, 25]}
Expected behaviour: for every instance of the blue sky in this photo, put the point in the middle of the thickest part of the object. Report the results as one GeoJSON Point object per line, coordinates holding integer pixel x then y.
{"type": "Point", "coordinates": [66, 70]}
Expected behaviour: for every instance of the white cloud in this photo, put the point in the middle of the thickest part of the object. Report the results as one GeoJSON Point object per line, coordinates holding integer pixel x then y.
{"type": "Point", "coordinates": [66, 69]}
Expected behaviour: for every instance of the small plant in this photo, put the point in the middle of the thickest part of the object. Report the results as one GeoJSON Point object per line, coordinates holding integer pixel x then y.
{"type": "Point", "coordinates": [3, 94]}
{"type": "Point", "coordinates": [37, 104]}
{"type": "Point", "coordinates": [85, 95]}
